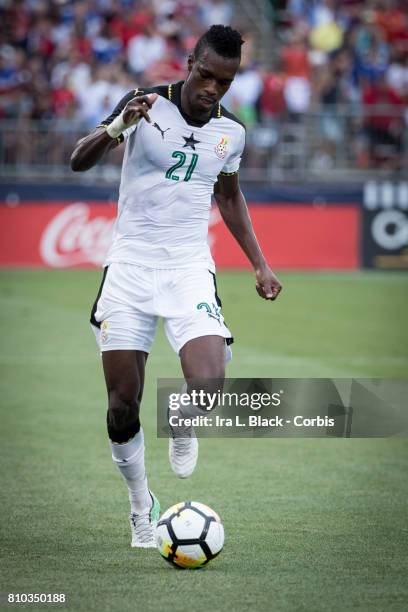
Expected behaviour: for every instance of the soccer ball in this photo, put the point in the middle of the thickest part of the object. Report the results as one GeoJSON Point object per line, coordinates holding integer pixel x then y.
{"type": "Point", "coordinates": [189, 535]}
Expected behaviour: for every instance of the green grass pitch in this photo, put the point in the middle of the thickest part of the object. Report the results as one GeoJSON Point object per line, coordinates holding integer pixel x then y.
{"type": "Point", "coordinates": [311, 525]}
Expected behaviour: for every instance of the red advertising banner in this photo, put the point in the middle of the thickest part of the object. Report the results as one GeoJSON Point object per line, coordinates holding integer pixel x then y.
{"type": "Point", "coordinates": [78, 234]}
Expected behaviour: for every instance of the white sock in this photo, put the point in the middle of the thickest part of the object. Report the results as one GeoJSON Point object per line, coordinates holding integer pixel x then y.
{"type": "Point", "coordinates": [185, 412]}
{"type": "Point", "coordinates": [190, 411]}
{"type": "Point", "coordinates": [129, 458]}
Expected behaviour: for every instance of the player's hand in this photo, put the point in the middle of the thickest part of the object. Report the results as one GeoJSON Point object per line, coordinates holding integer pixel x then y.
{"type": "Point", "coordinates": [267, 284]}
{"type": "Point", "coordinates": [134, 110]}
{"type": "Point", "coordinates": [137, 108]}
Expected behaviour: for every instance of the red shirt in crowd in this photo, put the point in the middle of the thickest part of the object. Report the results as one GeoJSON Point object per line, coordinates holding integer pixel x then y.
{"type": "Point", "coordinates": [389, 103]}
{"type": "Point", "coordinates": [272, 99]}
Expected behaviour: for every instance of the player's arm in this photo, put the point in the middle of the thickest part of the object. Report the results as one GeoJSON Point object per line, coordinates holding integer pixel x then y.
{"type": "Point", "coordinates": [234, 211]}
{"type": "Point", "coordinates": [89, 150]}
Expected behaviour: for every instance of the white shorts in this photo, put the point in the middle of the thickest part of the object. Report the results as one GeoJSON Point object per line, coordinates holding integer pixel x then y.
{"type": "Point", "coordinates": [132, 298]}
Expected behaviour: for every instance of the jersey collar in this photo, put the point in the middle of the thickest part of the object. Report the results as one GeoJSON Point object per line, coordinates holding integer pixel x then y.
{"type": "Point", "coordinates": [174, 95]}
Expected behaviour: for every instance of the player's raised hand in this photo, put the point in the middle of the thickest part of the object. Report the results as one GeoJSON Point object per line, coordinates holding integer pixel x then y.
{"type": "Point", "coordinates": [267, 284]}
{"type": "Point", "coordinates": [134, 110]}
{"type": "Point", "coordinates": [137, 108]}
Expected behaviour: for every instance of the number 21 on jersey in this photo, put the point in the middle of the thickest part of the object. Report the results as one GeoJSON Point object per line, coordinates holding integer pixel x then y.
{"type": "Point", "coordinates": [181, 156]}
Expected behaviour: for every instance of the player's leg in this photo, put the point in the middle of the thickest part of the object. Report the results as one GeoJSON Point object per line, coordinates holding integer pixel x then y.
{"type": "Point", "coordinates": [203, 358]}
{"type": "Point", "coordinates": [199, 335]}
{"type": "Point", "coordinates": [195, 328]}
{"type": "Point", "coordinates": [124, 375]}
{"type": "Point", "coordinates": [203, 364]}
{"type": "Point", "coordinates": [124, 331]}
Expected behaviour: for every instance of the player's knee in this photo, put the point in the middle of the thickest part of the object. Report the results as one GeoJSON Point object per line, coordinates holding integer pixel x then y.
{"type": "Point", "coordinates": [122, 417]}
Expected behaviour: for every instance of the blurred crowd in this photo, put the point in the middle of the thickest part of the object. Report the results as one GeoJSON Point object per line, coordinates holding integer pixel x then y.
{"type": "Point", "coordinates": [77, 58]}
{"type": "Point", "coordinates": [348, 61]}
{"type": "Point", "coordinates": [74, 59]}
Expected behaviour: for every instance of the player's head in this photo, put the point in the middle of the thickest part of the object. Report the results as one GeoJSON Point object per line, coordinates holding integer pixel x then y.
{"type": "Point", "coordinates": [212, 67]}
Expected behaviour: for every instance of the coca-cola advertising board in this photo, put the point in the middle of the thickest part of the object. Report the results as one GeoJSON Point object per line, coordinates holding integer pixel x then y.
{"type": "Point", "coordinates": [78, 234]}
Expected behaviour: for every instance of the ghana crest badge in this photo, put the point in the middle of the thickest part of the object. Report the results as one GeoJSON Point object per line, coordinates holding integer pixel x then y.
{"type": "Point", "coordinates": [221, 148]}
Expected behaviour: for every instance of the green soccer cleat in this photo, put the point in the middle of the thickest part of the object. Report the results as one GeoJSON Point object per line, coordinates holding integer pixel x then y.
{"type": "Point", "coordinates": [143, 526]}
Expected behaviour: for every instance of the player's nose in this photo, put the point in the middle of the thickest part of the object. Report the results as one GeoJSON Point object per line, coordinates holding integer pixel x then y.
{"type": "Point", "coordinates": [210, 91]}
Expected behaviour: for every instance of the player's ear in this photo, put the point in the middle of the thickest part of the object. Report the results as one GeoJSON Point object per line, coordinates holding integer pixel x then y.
{"type": "Point", "coordinates": [190, 62]}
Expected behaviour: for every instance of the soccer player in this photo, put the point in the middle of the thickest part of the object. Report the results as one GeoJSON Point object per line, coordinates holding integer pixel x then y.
{"type": "Point", "coordinates": [181, 147]}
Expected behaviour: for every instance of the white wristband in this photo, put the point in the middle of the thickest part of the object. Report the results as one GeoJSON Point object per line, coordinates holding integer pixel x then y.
{"type": "Point", "coordinates": [118, 125]}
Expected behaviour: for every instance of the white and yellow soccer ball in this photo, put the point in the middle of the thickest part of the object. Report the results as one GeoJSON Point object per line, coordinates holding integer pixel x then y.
{"type": "Point", "coordinates": [189, 535]}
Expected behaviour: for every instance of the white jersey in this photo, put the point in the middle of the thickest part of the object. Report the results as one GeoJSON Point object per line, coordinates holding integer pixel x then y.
{"type": "Point", "coordinates": [169, 170]}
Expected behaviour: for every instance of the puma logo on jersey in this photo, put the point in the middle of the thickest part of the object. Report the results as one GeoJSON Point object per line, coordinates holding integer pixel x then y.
{"type": "Point", "coordinates": [162, 132]}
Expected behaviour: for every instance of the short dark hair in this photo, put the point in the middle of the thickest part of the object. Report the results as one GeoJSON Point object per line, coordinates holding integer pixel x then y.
{"type": "Point", "coordinates": [222, 39]}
